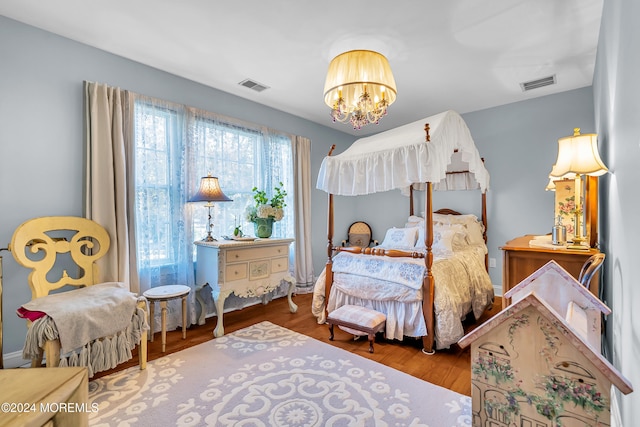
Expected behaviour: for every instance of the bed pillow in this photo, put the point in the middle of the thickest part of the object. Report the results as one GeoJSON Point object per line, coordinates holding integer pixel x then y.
{"type": "Point", "coordinates": [414, 221]}
{"type": "Point", "coordinates": [446, 237]}
{"type": "Point", "coordinates": [475, 233]}
{"type": "Point", "coordinates": [400, 238]}
{"type": "Point", "coordinates": [473, 227]}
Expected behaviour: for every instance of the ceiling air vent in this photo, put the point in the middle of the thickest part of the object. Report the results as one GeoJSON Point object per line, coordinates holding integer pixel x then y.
{"type": "Point", "coordinates": [535, 84]}
{"type": "Point", "coordinates": [252, 84]}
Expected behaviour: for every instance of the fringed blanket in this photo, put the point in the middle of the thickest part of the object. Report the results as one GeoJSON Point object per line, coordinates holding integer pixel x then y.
{"type": "Point", "coordinates": [98, 355]}
{"type": "Point", "coordinates": [81, 318]}
{"type": "Point", "coordinates": [86, 314]}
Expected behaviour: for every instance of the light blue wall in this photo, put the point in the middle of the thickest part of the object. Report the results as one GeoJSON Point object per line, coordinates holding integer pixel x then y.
{"type": "Point", "coordinates": [41, 136]}
{"type": "Point", "coordinates": [617, 118]}
{"type": "Point", "coordinates": [519, 142]}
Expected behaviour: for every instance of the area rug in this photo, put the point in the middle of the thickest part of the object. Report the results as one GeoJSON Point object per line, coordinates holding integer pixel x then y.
{"type": "Point", "coordinates": [266, 375]}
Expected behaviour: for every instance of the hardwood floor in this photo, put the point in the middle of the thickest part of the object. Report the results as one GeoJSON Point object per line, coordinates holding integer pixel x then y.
{"type": "Point", "coordinates": [447, 368]}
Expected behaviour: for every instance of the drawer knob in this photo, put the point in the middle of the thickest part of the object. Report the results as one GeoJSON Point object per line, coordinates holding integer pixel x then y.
{"type": "Point", "coordinates": [237, 255]}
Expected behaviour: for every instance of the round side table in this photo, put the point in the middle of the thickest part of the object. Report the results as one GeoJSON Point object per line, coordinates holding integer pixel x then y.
{"type": "Point", "coordinates": [163, 294]}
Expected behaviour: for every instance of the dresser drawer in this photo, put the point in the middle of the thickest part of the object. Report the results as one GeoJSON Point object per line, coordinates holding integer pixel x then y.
{"type": "Point", "coordinates": [279, 264]}
{"type": "Point", "coordinates": [246, 254]}
{"type": "Point", "coordinates": [235, 272]}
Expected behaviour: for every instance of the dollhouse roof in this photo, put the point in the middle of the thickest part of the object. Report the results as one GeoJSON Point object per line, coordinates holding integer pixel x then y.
{"type": "Point", "coordinates": [532, 299]}
{"type": "Point", "coordinates": [556, 287]}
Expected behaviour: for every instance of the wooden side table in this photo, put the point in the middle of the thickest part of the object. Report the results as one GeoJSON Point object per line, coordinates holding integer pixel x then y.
{"type": "Point", "coordinates": [521, 260]}
{"type": "Point", "coordinates": [162, 294]}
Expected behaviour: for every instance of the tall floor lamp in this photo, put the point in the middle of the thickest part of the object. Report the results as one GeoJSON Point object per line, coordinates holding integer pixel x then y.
{"type": "Point", "coordinates": [209, 192]}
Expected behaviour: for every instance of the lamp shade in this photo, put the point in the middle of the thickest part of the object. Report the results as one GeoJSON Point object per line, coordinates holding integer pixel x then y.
{"type": "Point", "coordinates": [578, 154]}
{"type": "Point", "coordinates": [351, 71]}
{"type": "Point", "coordinates": [551, 185]}
{"type": "Point", "coordinates": [210, 191]}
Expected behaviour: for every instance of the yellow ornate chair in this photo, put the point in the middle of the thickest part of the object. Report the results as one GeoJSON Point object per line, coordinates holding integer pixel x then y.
{"type": "Point", "coordinates": [93, 324]}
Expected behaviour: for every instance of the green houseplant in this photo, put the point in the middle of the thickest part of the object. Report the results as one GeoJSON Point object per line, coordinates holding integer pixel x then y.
{"type": "Point", "coordinates": [263, 212]}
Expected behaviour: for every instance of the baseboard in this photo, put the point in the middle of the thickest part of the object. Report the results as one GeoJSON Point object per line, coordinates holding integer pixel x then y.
{"type": "Point", "coordinates": [497, 290]}
{"type": "Point", "coordinates": [14, 360]}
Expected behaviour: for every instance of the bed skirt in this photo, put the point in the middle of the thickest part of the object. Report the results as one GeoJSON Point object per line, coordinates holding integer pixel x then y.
{"type": "Point", "coordinates": [403, 318]}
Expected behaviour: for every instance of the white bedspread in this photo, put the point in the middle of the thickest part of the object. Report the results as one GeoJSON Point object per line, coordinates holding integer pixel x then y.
{"type": "Point", "coordinates": [462, 286]}
{"type": "Point", "coordinates": [405, 271]}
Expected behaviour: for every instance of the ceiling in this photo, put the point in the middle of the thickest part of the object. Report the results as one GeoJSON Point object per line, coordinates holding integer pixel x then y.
{"type": "Point", "coordinates": [464, 55]}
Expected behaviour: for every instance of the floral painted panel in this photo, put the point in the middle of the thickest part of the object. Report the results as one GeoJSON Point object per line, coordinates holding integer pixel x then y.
{"type": "Point", "coordinates": [565, 206]}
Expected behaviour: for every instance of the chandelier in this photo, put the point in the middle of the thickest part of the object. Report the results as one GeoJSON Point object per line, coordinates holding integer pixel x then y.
{"type": "Point", "coordinates": [359, 87]}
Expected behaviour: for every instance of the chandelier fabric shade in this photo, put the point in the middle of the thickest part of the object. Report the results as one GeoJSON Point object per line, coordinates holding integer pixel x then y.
{"type": "Point", "coordinates": [359, 87]}
{"type": "Point", "coordinates": [578, 155]}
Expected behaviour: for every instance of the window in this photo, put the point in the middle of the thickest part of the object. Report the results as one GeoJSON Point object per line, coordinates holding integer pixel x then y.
{"type": "Point", "coordinates": [242, 158]}
{"type": "Point", "coordinates": [175, 147]}
{"type": "Point", "coordinates": [156, 139]}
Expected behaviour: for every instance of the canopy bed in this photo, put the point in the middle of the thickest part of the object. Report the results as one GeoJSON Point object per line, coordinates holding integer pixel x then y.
{"type": "Point", "coordinates": [442, 248]}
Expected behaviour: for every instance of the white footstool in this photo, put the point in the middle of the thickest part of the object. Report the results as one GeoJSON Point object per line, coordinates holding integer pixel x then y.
{"type": "Point", "coordinates": [357, 320]}
{"type": "Point", "coordinates": [163, 294]}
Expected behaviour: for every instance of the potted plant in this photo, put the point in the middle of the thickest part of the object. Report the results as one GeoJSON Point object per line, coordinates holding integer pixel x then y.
{"type": "Point", "coordinates": [264, 211]}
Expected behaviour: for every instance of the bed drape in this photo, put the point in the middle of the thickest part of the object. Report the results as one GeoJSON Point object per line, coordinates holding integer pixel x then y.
{"type": "Point", "coordinates": [399, 157]}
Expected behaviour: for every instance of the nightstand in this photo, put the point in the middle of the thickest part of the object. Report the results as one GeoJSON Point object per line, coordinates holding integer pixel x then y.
{"type": "Point", "coordinates": [521, 260]}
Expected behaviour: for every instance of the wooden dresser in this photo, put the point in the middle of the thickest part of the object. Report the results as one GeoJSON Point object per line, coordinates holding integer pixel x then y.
{"type": "Point", "coordinates": [520, 260]}
{"type": "Point", "coordinates": [245, 268]}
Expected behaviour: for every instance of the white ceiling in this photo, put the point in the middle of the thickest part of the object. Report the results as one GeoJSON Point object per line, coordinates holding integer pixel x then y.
{"type": "Point", "coordinates": [465, 55]}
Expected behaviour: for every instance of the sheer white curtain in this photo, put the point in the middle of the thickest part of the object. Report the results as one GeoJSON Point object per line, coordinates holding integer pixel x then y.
{"type": "Point", "coordinates": [302, 205]}
{"type": "Point", "coordinates": [163, 184]}
{"type": "Point", "coordinates": [108, 180]}
{"type": "Point", "coordinates": [145, 158]}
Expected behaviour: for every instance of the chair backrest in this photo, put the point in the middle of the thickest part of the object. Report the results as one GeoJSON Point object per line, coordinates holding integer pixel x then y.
{"type": "Point", "coordinates": [359, 234]}
{"type": "Point", "coordinates": [40, 244]}
{"type": "Point", "coordinates": [589, 268]}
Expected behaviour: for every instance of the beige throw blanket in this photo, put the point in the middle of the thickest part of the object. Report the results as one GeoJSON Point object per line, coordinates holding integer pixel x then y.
{"type": "Point", "coordinates": [85, 314]}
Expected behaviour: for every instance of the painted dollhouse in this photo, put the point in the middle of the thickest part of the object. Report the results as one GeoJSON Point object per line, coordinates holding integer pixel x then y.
{"type": "Point", "coordinates": [537, 363]}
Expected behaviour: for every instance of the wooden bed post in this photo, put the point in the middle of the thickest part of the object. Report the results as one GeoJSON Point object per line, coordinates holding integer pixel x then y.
{"type": "Point", "coordinates": [484, 223]}
{"type": "Point", "coordinates": [328, 267]}
{"type": "Point", "coordinates": [411, 200]}
{"type": "Point", "coordinates": [428, 286]}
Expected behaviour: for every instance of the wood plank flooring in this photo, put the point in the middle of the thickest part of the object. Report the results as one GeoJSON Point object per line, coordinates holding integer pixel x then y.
{"type": "Point", "coordinates": [447, 368]}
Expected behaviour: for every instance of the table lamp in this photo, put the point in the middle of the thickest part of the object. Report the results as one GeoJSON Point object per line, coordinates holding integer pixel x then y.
{"type": "Point", "coordinates": [209, 192]}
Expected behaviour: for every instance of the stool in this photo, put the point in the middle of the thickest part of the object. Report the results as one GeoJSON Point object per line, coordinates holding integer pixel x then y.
{"type": "Point", "coordinates": [357, 320]}
{"type": "Point", "coordinates": [163, 294]}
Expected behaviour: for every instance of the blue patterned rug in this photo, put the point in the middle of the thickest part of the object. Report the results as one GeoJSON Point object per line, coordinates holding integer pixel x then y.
{"type": "Point", "coordinates": [266, 375]}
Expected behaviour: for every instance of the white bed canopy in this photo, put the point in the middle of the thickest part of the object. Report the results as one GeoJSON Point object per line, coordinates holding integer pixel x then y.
{"type": "Point", "coordinates": [399, 157]}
